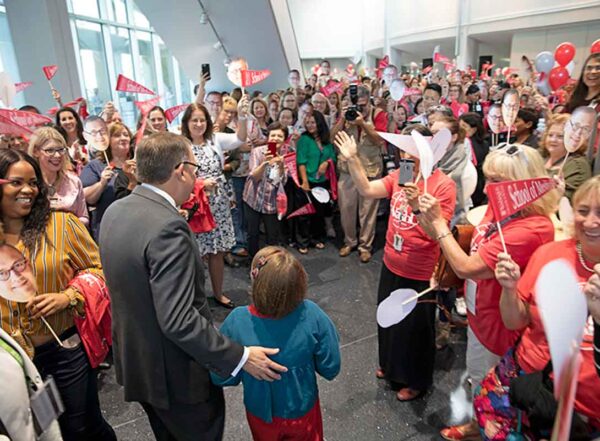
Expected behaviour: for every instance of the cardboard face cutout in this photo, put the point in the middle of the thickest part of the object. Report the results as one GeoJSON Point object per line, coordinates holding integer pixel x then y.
{"type": "Point", "coordinates": [96, 134]}
{"type": "Point", "coordinates": [510, 107]}
{"type": "Point", "coordinates": [579, 128]}
{"type": "Point", "coordinates": [494, 119]}
{"type": "Point", "coordinates": [234, 71]}
{"type": "Point", "coordinates": [17, 282]}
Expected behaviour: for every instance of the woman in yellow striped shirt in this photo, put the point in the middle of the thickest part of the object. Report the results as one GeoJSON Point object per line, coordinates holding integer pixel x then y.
{"type": "Point", "coordinates": [58, 248]}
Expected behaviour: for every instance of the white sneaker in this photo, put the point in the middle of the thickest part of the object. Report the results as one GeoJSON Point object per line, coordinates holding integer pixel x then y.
{"type": "Point", "coordinates": [461, 306]}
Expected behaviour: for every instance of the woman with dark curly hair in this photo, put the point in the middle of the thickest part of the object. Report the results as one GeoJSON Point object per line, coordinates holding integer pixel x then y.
{"type": "Point", "coordinates": [60, 251]}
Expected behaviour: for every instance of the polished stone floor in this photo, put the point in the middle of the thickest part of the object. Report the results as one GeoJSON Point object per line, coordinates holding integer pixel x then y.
{"type": "Point", "coordinates": [356, 406]}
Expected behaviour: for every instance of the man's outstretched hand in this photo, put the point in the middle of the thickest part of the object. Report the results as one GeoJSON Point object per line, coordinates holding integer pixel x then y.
{"type": "Point", "coordinates": [260, 366]}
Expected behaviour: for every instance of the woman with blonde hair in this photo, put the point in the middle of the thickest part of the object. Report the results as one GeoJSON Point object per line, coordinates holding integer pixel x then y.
{"type": "Point", "coordinates": [576, 169]}
{"type": "Point", "coordinates": [65, 191]}
{"type": "Point", "coordinates": [519, 310]}
{"type": "Point", "coordinates": [488, 338]}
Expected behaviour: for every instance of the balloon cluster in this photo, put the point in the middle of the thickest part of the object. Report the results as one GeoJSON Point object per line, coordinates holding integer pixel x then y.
{"type": "Point", "coordinates": [556, 69]}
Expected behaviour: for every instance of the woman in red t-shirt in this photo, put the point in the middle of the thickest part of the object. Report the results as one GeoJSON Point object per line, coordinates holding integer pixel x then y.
{"type": "Point", "coordinates": [487, 338]}
{"type": "Point", "coordinates": [520, 312]}
{"type": "Point", "coordinates": [407, 349]}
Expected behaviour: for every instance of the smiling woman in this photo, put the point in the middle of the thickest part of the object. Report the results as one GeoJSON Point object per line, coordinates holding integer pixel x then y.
{"type": "Point", "coordinates": [59, 250]}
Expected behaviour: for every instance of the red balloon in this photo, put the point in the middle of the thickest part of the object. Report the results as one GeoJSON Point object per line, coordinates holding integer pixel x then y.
{"type": "Point", "coordinates": [564, 53]}
{"type": "Point", "coordinates": [558, 77]}
{"type": "Point", "coordinates": [595, 47]}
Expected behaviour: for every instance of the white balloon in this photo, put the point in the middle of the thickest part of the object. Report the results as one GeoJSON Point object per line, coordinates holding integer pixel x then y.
{"type": "Point", "coordinates": [397, 88]}
{"type": "Point", "coordinates": [321, 194]}
{"type": "Point", "coordinates": [392, 310]}
{"type": "Point", "coordinates": [425, 154]}
{"type": "Point", "coordinates": [563, 309]}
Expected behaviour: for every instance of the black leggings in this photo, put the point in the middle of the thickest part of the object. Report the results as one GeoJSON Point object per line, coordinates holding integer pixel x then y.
{"type": "Point", "coordinates": [272, 230]}
{"type": "Point", "coordinates": [311, 227]}
{"type": "Point", "coordinates": [76, 382]}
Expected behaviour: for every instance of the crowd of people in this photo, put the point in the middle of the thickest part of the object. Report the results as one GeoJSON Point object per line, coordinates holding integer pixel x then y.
{"type": "Point", "coordinates": [101, 222]}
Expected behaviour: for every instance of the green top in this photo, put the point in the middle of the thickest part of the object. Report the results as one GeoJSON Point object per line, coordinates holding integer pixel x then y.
{"type": "Point", "coordinates": [576, 171]}
{"type": "Point", "coordinates": [311, 156]}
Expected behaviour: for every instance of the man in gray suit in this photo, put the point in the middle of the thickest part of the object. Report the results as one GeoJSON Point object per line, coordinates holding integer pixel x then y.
{"type": "Point", "coordinates": [164, 341]}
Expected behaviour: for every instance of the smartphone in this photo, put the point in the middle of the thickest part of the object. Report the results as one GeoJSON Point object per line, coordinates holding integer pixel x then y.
{"type": "Point", "coordinates": [272, 147]}
{"type": "Point", "coordinates": [206, 71]}
{"type": "Point", "coordinates": [407, 168]}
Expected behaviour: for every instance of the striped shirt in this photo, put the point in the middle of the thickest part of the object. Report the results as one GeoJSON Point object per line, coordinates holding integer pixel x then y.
{"type": "Point", "coordinates": [261, 193]}
{"type": "Point", "coordinates": [66, 249]}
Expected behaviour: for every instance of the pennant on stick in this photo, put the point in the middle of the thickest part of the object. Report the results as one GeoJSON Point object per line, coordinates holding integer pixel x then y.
{"type": "Point", "coordinates": [124, 84]}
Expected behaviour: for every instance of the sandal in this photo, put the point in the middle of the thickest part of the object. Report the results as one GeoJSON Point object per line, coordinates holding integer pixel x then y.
{"type": "Point", "coordinates": [379, 373]}
{"type": "Point", "coordinates": [408, 394]}
{"type": "Point", "coordinates": [464, 432]}
{"type": "Point", "coordinates": [303, 250]}
{"type": "Point", "coordinates": [320, 245]}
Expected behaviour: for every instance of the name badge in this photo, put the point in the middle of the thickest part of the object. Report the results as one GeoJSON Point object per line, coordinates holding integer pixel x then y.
{"type": "Point", "coordinates": [46, 405]}
{"type": "Point", "coordinates": [398, 242]}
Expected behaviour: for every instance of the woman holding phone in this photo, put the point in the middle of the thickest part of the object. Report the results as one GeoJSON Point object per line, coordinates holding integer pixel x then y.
{"type": "Point", "coordinates": [267, 177]}
{"type": "Point", "coordinates": [407, 349]}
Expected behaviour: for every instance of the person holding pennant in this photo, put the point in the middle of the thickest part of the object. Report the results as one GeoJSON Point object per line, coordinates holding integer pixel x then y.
{"type": "Point", "coordinates": [209, 148]}
{"type": "Point", "coordinates": [49, 252]}
{"type": "Point", "coordinates": [522, 311]}
{"type": "Point", "coordinates": [407, 349]}
{"type": "Point", "coordinates": [523, 232]}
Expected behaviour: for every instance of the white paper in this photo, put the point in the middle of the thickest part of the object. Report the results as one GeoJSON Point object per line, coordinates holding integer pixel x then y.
{"type": "Point", "coordinates": [425, 154]}
{"type": "Point", "coordinates": [563, 309]}
{"type": "Point", "coordinates": [397, 88]}
{"type": "Point", "coordinates": [391, 311]}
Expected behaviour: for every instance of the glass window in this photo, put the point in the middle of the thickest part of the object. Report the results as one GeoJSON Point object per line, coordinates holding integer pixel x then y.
{"type": "Point", "coordinates": [93, 63]}
{"type": "Point", "coordinates": [168, 75]}
{"type": "Point", "coordinates": [123, 64]}
{"type": "Point", "coordinates": [116, 10]}
{"type": "Point", "coordinates": [146, 69]}
{"type": "Point", "coordinates": [186, 89]}
{"type": "Point", "coordinates": [89, 8]}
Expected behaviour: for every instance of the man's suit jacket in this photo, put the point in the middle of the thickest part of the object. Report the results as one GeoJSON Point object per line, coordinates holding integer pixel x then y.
{"type": "Point", "coordinates": [164, 341]}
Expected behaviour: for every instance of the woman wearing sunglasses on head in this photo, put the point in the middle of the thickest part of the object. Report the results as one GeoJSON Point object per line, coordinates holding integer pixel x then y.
{"type": "Point", "coordinates": [65, 190]}
{"type": "Point", "coordinates": [60, 252]}
{"type": "Point", "coordinates": [487, 337]}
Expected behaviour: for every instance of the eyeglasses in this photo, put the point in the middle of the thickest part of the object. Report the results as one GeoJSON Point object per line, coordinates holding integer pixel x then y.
{"type": "Point", "coordinates": [193, 164]}
{"type": "Point", "coordinates": [583, 129]}
{"type": "Point", "coordinates": [95, 133]}
{"type": "Point", "coordinates": [17, 268]}
{"type": "Point", "coordinates": [594, 68]}
{"type": "Point", "coordinates": [53, 151]}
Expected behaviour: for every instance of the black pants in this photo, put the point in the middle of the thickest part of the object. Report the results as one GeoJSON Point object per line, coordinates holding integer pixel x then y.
{"type": "Point", "coordinates": [76, 381]}
{"type": "Point", "coordinates": [311, 227]}
{"type": "Point", "coordinates": [189, 422]}
{"type": "Point", "coordinates": [407, 349]}
{"type": "Point", "coordinates": [253, 219]}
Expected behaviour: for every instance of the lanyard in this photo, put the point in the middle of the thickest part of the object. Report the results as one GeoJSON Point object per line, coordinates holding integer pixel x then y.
{"type": "Point", "coordinates": [8, 348]}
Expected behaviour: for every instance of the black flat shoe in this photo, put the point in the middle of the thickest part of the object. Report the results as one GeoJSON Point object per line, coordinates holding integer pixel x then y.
{"type": "Point", "coordinates": [228, 305]}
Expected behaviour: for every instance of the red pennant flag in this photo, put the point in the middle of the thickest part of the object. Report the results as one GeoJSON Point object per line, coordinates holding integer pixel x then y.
{"type": "Point", "coordinates": [289, 162]}
{"type": "Point", "coordinates": [426, 70]}
{"type": "Point", "coordinates": [281, 200]}
{"type": "Point", "coordinates": [506, 198]}
{"type": "Point", "coordinates": [383, 63]}
{"type": "Point", "coordinates": [124, 84]}
{"type": "Point", "coordinates": [20, 87]}
{"type": "Point", "coordinates": [145, 106]}
{"type": "Point", "coordinates": [25, 119]}
{"type": "Point", "coordinates": [172, 112]}
{"type": "Point", "coordinates": [439, 58]}
{"type": "Point", "coordinates": [332, 87]}
{"type": "Point", "coordinates": [74, 102]}
{"type": "Point", "coordinates": [52, 110]}
{"type": "Point", "coordinates": [50, 71]}
{"type": "Point", "coordinates": [306, 209]}
{"type": "Point", "coordinates": [252, 77]}
{"type": "Point", "coordinates": [332, 177]}
{"type": "Point", "coordinates": [7, 127]}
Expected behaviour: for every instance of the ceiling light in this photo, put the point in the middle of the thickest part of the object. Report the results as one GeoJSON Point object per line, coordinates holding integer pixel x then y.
{"type": "Point", "coordinates": [203, 18]}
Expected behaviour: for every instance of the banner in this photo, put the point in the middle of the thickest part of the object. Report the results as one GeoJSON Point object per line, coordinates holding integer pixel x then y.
{"type": "Point", "coordinates": [50, 71]}
{"type": "Point", "coordinates": [439, 58]}
{"type": "Point", "coordinates": [20, 87]}
{"type": "Point", "coordinates": [306, 209]}
{"type": "Point", "coordinates": [506, 198]}
{"type": "Point", "coordinates": [332, 87]}
{"type": "Point", "coordinates": [74, 102]}
{"type": "Point", "coordinates": [172, 112]}
{"type": "Point", "coordinates": [25, 119]}
{"type": "Point", "coordinates": [252, 77]}
{"type": "Point", "coordinates": [124, 84]}
{"type": "Point", "coordinates": [7, 127]}
{"type": "Point", "coordinates": [289, 161]}
{"type": "Point", "coordinates": [145, 106]}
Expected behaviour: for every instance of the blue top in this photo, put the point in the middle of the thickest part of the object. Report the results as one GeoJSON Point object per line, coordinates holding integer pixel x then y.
{"type": "Point", "coordinates": [308, 343]}
{"type": "Point", "coordinates": [89, 176]}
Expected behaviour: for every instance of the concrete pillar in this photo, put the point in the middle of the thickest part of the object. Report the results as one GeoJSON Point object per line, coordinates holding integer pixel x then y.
{"type": "Point", "coordinates": [41, 35]}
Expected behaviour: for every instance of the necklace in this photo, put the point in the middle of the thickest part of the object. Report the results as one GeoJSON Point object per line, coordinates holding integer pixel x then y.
{"type": "Point", "coordinates": [581, 259]}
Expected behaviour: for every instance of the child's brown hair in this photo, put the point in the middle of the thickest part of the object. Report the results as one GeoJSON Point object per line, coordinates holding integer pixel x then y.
{"type": "Point", "coordinates": [279, 282]}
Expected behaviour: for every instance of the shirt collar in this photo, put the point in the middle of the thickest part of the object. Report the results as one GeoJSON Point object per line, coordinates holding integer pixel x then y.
{"type": "Point", "coordinates": [162, 193]}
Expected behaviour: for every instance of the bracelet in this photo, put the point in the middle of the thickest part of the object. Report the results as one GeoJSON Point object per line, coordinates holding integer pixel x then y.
{"type": "Point", "coordinates": [441, 236]}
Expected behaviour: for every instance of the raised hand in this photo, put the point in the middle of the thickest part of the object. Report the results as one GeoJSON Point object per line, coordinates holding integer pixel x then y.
{"type": "Point", "coordinates": [507, 272]}
{"type": "Point", "coordinates": [346, 145]}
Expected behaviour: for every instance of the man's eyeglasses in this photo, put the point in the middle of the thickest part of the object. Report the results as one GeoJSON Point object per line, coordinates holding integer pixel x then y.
{"type": "Point", "coordinates": [53, 151]}
{"type": "Point", "coordinates": [583, 129]}
{"type": "Point", "coordinates": [193, 164]}
{"type": "Point", "coordinates": [17, 268]}
{"type": "Point", "coordinates": [95, 133]}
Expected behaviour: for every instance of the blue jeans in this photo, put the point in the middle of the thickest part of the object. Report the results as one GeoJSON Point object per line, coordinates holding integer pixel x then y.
{"type": "Point", "coordinates": [237, 213]}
